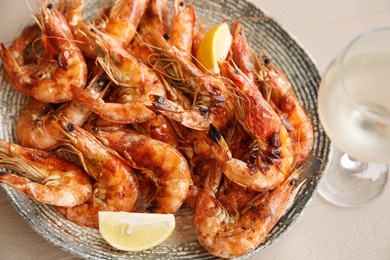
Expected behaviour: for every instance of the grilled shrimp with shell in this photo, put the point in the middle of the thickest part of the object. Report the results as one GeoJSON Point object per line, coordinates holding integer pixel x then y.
{"type": "Point", "coordinates": [44, 176]}
{"type": "Point", "coordinates": [226, 232]}
{"type": "Point", "coordinates": [135, 82]}
{"type": "Point", "coordinates": [278, 91]}
{"type": "Point", "coordinates": [35, 126]}
{"type": "Point", "coordinates": [160, 163]}
{"type": "Point", "coordinates": [116, 187]}
{"type": "Point", "coordinates": [63, 64]}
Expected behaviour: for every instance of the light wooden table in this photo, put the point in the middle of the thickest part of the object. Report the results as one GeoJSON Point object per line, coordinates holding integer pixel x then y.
{"type": "Point", "coordinates": [324, 231]}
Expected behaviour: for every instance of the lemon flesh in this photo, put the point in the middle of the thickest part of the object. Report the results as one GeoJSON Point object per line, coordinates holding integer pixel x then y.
{"type": "Point", "coordinates": [135, 231]}
{"type": "Point", "coordinates": [214, 47]}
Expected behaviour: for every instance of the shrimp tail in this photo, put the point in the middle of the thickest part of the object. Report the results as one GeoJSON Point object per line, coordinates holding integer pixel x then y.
{"type": "Point", "coordinates": [86, 98]}
{"type": "Point", "coordinates": [218, 145]}
{"type": "Point", "coordinates": [282, 198]}
{"type": "Point", "coordinates": [10, 66]}
{"type": "Point", "coordinates": [156, 39]}
{"type": "Point", "coordinates": [190, 118]}
{"type": "Point", "coordinates": [30, 189]}
{"type": "Point", "coordinates": [16, 182]}
{"type": "Point", "coordinates": [12, 180]}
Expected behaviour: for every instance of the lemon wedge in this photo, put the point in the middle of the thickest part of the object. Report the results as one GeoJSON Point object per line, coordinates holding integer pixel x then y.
{"type": "Point", "coordinates": [135, 231]}
{"type": "Point", "coordinates": [214, 47]}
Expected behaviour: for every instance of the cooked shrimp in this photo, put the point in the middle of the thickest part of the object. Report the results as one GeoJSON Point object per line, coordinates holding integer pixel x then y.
{"type": "Point", "coordinates": [122, 68]}
{"type": "Point", "coordinates": [22, 44]}
{"type": "Point", "coordinates": [206, 173]}
{"type": "Point", "coordinates": [47, 179]}
{"type": "Point", "coordinates": [124, 18]}
{"type": "Point", "coordinates": [227, 232]}
{"type": "Point", "coordinates": [121, 23]}
{"type": "Point", "coordinates": [74, 17]}
{"type": "Point", "coordinates": [210, 94]}
{"type": "Point", "coordinates": [30, 131]}
{"type": "Point", "coordinates": [273, 151]}
{"type": "Point", "coordinates": [124, 111]}
{"type": "Point", "coordinates": [292, 114]}
{"type": "Point", "coordinates": [160, 163]}
{"type": "Point", "coordinates": [199, 33]}
{"type": "Point", "coordinates": [181, 38]}
{"type": "Point", "coordinates": [48, 81]}
{"type": "Point", "coordinates": [182, 28]}
{"type": "Point", "coordinates": [278, 91]}
{"type": "Point", "coordinates": [155, 17]}
{"type": "Point", "coordinates": [136, 81]}
{"type": "Point", "coordinates": [159, 128]}
{"type": "Point", "coordinates": [242, 54]}
{"type": "Point", "coordinates": [35, 128]}
{"type": "Point", "coordinates": [116, 187]}
{"type": "Point", "coordinates": [194, 119]}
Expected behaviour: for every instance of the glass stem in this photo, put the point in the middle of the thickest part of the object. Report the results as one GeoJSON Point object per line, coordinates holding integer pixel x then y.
{"type": "Point", "coordinates": [350, 165]}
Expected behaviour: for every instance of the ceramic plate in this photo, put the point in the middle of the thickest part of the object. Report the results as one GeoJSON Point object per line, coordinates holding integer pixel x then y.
{"type": "Point", "coordinates": [264, 33]}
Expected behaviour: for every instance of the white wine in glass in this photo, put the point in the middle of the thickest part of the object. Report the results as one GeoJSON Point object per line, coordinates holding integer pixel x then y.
{"type": "Point", "coordinates": [354, 109]}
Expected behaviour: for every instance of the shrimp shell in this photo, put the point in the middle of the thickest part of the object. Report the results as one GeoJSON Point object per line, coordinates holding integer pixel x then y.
{"type": "Point", "coordinates": [48, 81]}
{"type": "Point", "coordinates": [47, 178]}
{"type": "Point", "coordinates": [274, 152]}
{"type": "Point", "coordinates": [34, 127]}
{"type": "Point", "coordinates": [226, 232]}
{"type": "Point", "coordinates": [182, 28]}
{"type": "Point", "coordinates": [116, 187]}
{"type": "Point", "coordinates": [160, 162]}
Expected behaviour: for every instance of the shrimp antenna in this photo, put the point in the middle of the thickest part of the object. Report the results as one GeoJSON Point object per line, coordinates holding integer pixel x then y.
{"type": "Point", "coordinates": [52, 117]}
{"type": "Point", "coordinates": [36, 53]}
{"type": "Point", "coordinates": [30, 7]}
{"type": "Point", "coordinates": [161, 70]}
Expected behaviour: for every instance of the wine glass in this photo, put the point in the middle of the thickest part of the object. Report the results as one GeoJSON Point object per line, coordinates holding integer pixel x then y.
{"type": "Point", "coordinates": [354, 109]}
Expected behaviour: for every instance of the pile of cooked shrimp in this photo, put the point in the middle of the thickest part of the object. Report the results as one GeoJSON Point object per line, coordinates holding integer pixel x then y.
{"type": "Point", "coordinates": [152, 129]}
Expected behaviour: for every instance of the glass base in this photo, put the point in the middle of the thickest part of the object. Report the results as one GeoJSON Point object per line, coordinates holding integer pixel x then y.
{"type": "Point", "coordinates": [351, 183]}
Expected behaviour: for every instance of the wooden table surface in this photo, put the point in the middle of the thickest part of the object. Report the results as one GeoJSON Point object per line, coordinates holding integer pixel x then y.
{"type": "Point", "coordinates": [324, 231]}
